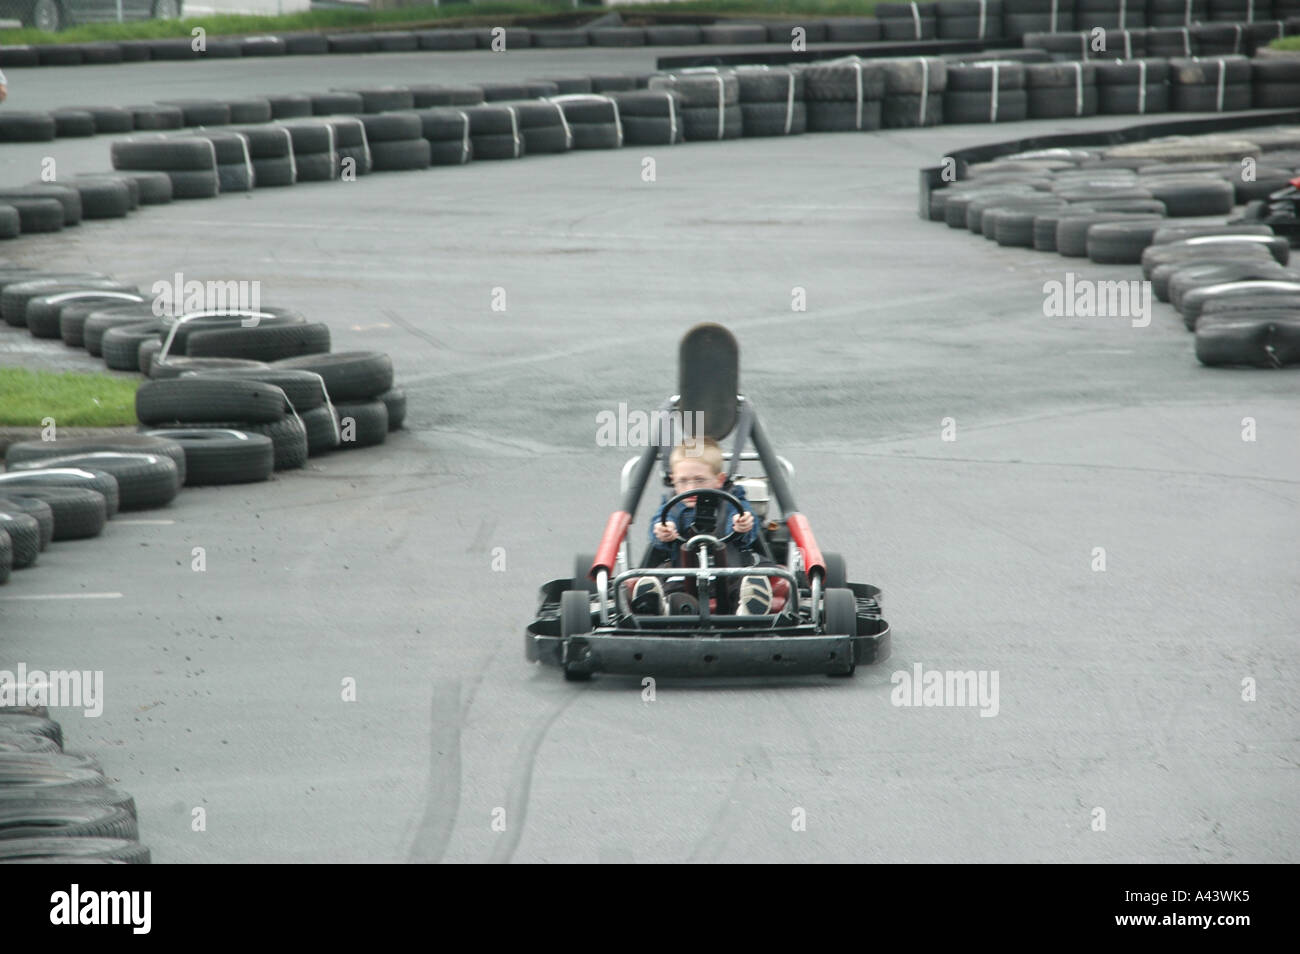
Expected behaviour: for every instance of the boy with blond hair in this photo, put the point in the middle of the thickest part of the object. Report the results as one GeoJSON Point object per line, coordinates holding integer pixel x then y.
{"type": "Point", "coordinates": [698, 463]}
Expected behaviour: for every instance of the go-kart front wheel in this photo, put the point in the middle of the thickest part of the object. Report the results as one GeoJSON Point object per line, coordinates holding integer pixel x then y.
{"type": "Point", "coordinates": [841, 617]}
{"type": "Point", "coordinates": [575, 620]}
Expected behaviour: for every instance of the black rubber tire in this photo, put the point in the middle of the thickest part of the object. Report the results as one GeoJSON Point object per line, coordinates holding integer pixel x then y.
{"type": "Point", "coordinates": [205, 184]}
{"type": "Point", "coordinates": [263, 343]}
{"type": "Point", "coordinates": [144, 481]}
{"type": "Point", "coordinates": [1072, 230]}
{"type": "Point", "coordinates": [1205, 98]}
{"type": "Point", "coordinates": [24, 535]}
{"type": "Point", "coordinates": [288, 438]}
{"type": "Point", "coordinates": [1262, 340]}
{"type": "Point", "coordinates": [304, 389]}
{"type": "Point", "coordinates": [80, 478]}
{"type": "Point", "coordinates": [17, 850]}
{"type": "Point", "coordinates": [68, 197]}
{"type": "Point", "coordinates": [844, 116]}
{"type": "Point", "coordinates": [837, 576]}
{"type": "Point", "coordinates": [146, 354]}
{"type": "Point", "coordinates": [44, 314]}
{"type": "Point", "coordinates": [700, 123]}
{"type": "Point", "coordinates": [155, 187]}
{"type": "Point", "coordinates": [109, 119]}
{"type": "Point", "coordinates": [217, 457]}
{"type": "Point", "coordinates": [652, 131]}
{"type": "Point", "coordinates": [395, 401]}
{"type": "Point", "coordinates": [317, 167]}
{"type": "Point", "coordinates": [841, 617]}
{"type": "Point", "coordinates": [322, 430]}
{"type": "Point", "coordinates": [38, 510]}
{"type": "Point", "coordinates": [201, 112]}
{"type": "Point", "coordinates": [772, 119]}
{"type": "Point", "coordinates": [1120, 243]}
{"type": "Point", "coordinates": [361, 423]}
{"type": "Point", "coordinates": [336, 102]}
{"type": "Point", "coordinates": [235, 177]}
{"type": "Point", "coordinates": [11, 223]}
{"type": "Point", "coordinates": [401, 156]}
{"type": "Point", "coordinates": [69, 123]}
{"type": "Point", "coordinates": [98, 323]}
{"type": "Point", "coordinates": [22, 452]}
{"type": "Point", "coordinates": [155, 154]}
{"type": "Point", "coordinates": [16, 295]}
{"type": "Point", "coordinates": [349, 375]}
{"type": "Point", "coordinates": [503, 146]}
{"type": "Point", "coordinates": [976, 106]}
{"type": "Point", "coordinates": [36, 215]}
{"type": "Point", "coordinates": [289, 105]}
{"type": "Point", "coordinates": [595, 136]}
{"type": "Point", "coordinates": [544, 140]}
{"type": "Point", "coordinates": [380, 99]}
{"type": "Point", "coordinates": [268, 316]}
{"type": "Point", "coordinates": [1187, 197]}
{"type": "Point", "coordinates": [575, 613]}
{"type": "Point", "coordinates": [78, 513]}
{"type": "Point", "coordinates": [26, 126]}
{"type": "Point", "coordinates": [491, 119]}
{"type": "Point", "coordinates": [175, 367]}
{"type": "Point", "coordinates": [47, 818]}
{"type": "Point", "coordinates": [120, 346]}
{"type": "Point", "coordinates": [274, 173]}
{"type": "Point", "coordinates": [196, 399]}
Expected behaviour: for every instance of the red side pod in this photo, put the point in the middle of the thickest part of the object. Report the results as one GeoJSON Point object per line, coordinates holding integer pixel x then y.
{"type": "Point", "coordinates": [607, 552]}
{"type": "Point", "coordinates": [803, 537]}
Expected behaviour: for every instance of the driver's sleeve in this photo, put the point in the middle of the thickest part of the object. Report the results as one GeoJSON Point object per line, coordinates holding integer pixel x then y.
{"type": "Point", "coordinates": [659, 518]}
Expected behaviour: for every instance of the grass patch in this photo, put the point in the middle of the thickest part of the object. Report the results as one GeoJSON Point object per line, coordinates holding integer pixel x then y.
{"type": "Point", "coordinates": [1287, 43]}
{"type": "Point", "coordinates": [498, 11]}
{"type": "Point", "coordinates": [72, 399]}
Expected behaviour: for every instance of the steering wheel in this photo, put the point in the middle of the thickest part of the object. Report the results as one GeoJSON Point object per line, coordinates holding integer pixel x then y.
{"type": "Point", "coordinates": [714, 541]}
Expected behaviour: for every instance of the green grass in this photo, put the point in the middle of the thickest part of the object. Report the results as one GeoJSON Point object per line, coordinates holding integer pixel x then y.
{"type": "Point", "coordinates": [1289, 43]}
{"type": "Point", "coordinates": [494, 11]}
{"type": "Point", "coordinates": [73, 400]}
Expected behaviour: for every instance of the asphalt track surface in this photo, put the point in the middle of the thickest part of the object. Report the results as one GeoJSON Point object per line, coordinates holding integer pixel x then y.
{"type": "Point", "coordinates": [1119, 690]}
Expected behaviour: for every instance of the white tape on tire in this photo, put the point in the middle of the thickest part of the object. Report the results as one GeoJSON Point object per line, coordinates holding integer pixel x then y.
{"type": "Point", "coordinates": [916, 20]}
{"type": "Point", "coordinates": [1218, 101]}
{"type": "Point", "coordinates": [1078, 88]}
{"type": "Point", "coordinates": [1142, 86]}
{"type": "Point", "coordinates": [925, 89]}
{"type": "Point", "coordinates": [1123, 14]}
{"type": "Point", "coordinates": [789, 103]}
{"type": "Point", "coordinates": [984, 4]}
{"type": "Point", "coordinates": [993, 99]}
{"type": "Point", "coordinates": [1052, 24]}
{"type": "Point", "coordinates": [464, 137]}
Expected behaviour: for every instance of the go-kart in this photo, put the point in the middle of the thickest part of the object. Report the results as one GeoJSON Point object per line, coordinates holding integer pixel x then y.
{"type": "Point", "coordinates": [818, 621]}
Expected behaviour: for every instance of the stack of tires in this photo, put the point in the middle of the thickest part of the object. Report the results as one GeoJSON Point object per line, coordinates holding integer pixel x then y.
{"type": "Point", "coordinates": [592, 119]}
{"type": "Point", "coordinates": [771, 100]}
{"type": "Point", "coordinates": [650, 117]}
{"type": "Point", "coordinates": [969, 19]}
{"type": "Point", "coordinates": [365, 404]}
{"type": "Point", "coordinates": [1138, 87]}
{"type": "Point", "coordinates": [234, 164]}
{"type": "Point", "coordinates": [914, 90]}
{"type": "Point", "coordinates": [494, 132]}
{"type": "Point", "coordinates": [190, 163]}
{"type": "Point", "coordinates": [1275, 83]}
{"type": "Point", "coordinates": [1111, 14]}
{"type": "Point", "coordinates": [710, 101]}
{"type": "Point", "coordinates": [57, 807]}
{"type": "Point", "coordinates": [543, 126]}
{"type": "Point", "coordinates": [908, 21]}
{"type": "Point", "coordinates": [1059, 90]}
{"type": "Point", "coordinates": [271, 154]}
{"type": "Point", "coordinates": [1021, 17]}
{"type": "Point", "coordinates": [988, 92]}
{"type": "Point", "coordinates": [1171, 42]}
{"type": "Point", "coordinates": [447, 130]}
{"type": "Point", "coordinates": [396, 141]}
{"type": "Point", "coordinates": [315, 155]}
{"type": "Point", "coordinates": [1176, 13]}
{"type": "Point", "coordinates": [351, 144]}
{"type": "Point", "coordinates": [1209, 85]}
{"type": "Point", "coordinates": [844, 95]}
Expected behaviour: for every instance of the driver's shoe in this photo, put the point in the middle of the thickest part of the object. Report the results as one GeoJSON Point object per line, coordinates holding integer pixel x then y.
{"type": "Point", "coordinates": [648, 597]}
{"type": "Point", "coordinates": [755, 596]}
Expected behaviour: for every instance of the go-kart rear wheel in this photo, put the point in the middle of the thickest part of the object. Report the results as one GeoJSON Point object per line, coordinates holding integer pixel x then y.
{"type": "Point", "coordinates": [581, 567]}
{"type": "Point", "coordinates": [841, 618]}
{"type": "Point", "coordinates": [575, 619]}
{"type": "Point", "coordinates": [837, 574]}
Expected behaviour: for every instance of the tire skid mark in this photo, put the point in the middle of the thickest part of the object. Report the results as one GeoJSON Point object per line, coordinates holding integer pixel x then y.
{"type": "Point", "coordinates": [442, 802]}
{"type": "Point", "coordinates": [521, 783]}
{"type": "Point", "coordinates": [754, 765]}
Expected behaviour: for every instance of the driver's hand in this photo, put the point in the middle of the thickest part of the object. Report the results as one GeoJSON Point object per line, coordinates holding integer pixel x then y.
{"type": "Point", "coordinates": [666, 532]}
{"type": "Point", "coordinates": [743, 522]}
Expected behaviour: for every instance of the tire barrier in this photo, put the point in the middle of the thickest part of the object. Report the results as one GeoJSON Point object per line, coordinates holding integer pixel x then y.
{"type": "Point", "coordinates": [1231, 283]}
{"type": "Point", "coordinates": [55, 806]}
